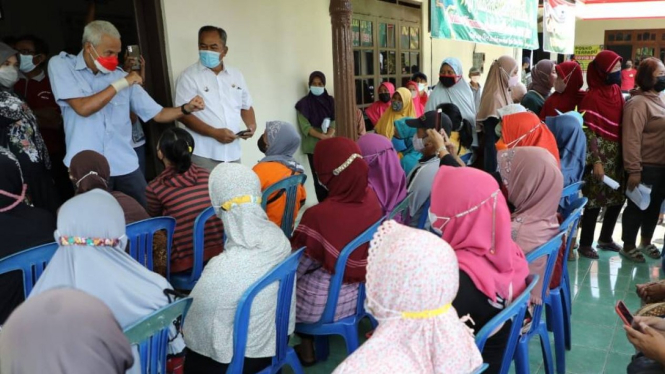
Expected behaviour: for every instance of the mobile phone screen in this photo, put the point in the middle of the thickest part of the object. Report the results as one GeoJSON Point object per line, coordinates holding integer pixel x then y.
{"type": "Point", "coordinates": [624, 313]}
{"type": "Point", "coordinates": [133, 52]}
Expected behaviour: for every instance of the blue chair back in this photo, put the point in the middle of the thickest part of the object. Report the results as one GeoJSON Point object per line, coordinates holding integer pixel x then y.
{"type": "Point", "coordinates": [285, 274]}
{"type": "Point", "coordinates": [570, 194]}
{"type": "Point", "coordinates": [466, 158]}
{"type": "Point", "coordinates": [151, 334]}
{"type": "Point", "coordinates": [514, 312]}
{"type": "Point", "coordinates": [187, 281]}
{"type": "Point", "coordinates": [140, 235]}
{"type": "Point", "coordinates": [571, 219]}
{"type": "Point", "coordinates": [30, 262]}
{"type": "Point", "coordinates": [549, 250]}
{"type": "Point", "coordinates": [424, 215]}
{"type": "Point", "coordinates": [288, 186]}
{"type": "Point", "coordinates": [401, 208]}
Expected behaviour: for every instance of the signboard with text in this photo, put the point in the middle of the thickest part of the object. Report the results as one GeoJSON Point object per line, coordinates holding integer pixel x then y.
{"type": "Point", "coordinates": [584, 54]}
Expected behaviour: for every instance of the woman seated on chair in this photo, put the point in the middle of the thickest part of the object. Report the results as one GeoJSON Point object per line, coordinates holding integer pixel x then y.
{"type": "Point", "coordinates": [21, 227]}
{"type": "Point", "coordinates": [64, 331]}
{"type": "Point", "coordinates": [279, 143]}
{"type": "Point", "coordinates": [386, 177]}
{"type": "Point", "coordinates": [181, 192]}
{"type": "Point", "coordinates": [351, 208]}
{"type": "Point", "coordinates": [526, 130]}
{"type": "Point", "coordinates": [254, 247]}
{"type": "Point", "coordinates": [412, 291]}
{"type": "Point", "coordinates": [534, 184]}
{"type": "Point", "coordinates": [89, 170]}
{"type": "Point", "coordinates": [472, 215]}
{"type": "Point", "coordinates": [92, 258]}
{"type": "Point", "coordinates": [571, 141]}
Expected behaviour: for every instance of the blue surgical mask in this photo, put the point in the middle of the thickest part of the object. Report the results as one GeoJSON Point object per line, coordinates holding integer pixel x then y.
{"type": "Point", "coordinates": [26, 64]}
{"type": "Point", "coordinates": [317, 91]}
{"type": "Point", "coordinates": [397, 106]}
{"type": "Point", "coordinates": [399, 144]}
{"type": "Point", "coordinates": [210, 59]}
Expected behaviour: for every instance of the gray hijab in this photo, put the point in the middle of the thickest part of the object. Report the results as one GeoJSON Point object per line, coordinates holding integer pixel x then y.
{"type": "Point", "coordinates": [283, 143]}
{"type": "Point", "coordinates": [5, 53]}
{"type": "Point", "coordinates": [63, 331]}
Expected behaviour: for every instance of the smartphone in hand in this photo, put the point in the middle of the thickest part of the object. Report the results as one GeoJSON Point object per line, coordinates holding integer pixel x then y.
{"type": "Point", "coordinates": [243, 133]}
{"type": "Point", "coordinates": [624, 313]}
{"type": "Point", "coordinates": [134, 53]}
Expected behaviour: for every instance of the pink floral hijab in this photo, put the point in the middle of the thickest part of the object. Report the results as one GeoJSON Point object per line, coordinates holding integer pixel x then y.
{"type": "Point", "coordinates": [410, 292]}
{"type": "Point", "coordinates": [534, 183]}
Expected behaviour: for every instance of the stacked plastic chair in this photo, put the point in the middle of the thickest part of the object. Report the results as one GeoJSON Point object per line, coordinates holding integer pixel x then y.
{"type": "Point", "coordinates": [30, 262]}
{"type": "Point", "coordinates": [289, 187]}
{"type": "Point", "coordinates": [140, 235]}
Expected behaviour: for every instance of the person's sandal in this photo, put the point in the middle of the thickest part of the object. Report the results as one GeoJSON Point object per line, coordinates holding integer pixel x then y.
{"type": "Point", "coordinates": [632, 255]}
{"type": "Point", "coordinates": [611, 246]}
{"type": "Point", "coordinates": [587, 252]}
{"type": "Point", "coordinates": [651, 251]}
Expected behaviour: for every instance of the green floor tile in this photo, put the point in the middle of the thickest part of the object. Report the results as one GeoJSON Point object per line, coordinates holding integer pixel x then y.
{"type": "Point", "coordinates": [616, 363]}
{"type": "Point", "coordinates": [615, 282]}
{"type": "Point", "coordinates": [620, 343]}
{"type": "Point", "coordinates": [585, 360]}
{"type": "Point", "coordinates": [592, 313]}
{"type": "Point", "coordinates": [592, 336]}
{"type": "Point", "coordinates": [602, 297]}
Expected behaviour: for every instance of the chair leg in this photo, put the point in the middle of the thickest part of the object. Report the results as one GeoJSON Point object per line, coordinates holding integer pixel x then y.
{"type": "Point", "coordinates": [321, 347]}
{"type": "Point", "coordinates": [546, 349]}
{"type": "Point", "coordinates": [522, 356]}
{"type": "Point", "coordinates": [293, 362]}
{"type": "Point", "coordinates": [558, 327]}
{"type": "Point", "coordinates": [351, 338]}
{"type": "Point", "coordinates": [565, 306]}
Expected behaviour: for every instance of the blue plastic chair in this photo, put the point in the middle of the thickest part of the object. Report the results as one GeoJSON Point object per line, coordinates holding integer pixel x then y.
{"type": "Point", "coordinates": [151, 334]}
{"type": "Point", "coordinates": [401, 208]}
{"type": "Point", "coordinates": [30, 262]}
{"type": "Point", "coordinates": [288, 186]}
{"type": "Point", "coordinates": [140, 235]}
{"type": "Point", "coordinates": [187, 280]}
{"type": "Point", "coordinates": [285, 274]}
{"type": "Point", "coordinates": [538, 325]}
{"type": "Point", "coordinates": [346, 327]}
{"type": "Point", "coordinates": [570, 193]}
{"type": "Point", "coordinates": [424, 215]}
{"type": "Point", "coordinates": [466, 158]}
{"type": "Point", "coordinates": [514, 312]}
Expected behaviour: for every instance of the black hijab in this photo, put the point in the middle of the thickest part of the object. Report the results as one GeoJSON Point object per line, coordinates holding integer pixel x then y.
{"type": "Point", "coordinates": [317, 108]}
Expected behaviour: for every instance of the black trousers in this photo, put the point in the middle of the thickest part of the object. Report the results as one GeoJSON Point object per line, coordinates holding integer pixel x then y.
{"type": "Point", "coordinates": [489, 126]}
{"type": "Point", "coordinates": [321, 192]}
{"type": "Point", "coordinates": [132, 184]}
{"type": "Point", "coordinates": [473, 302]}
{"type": "Point", "coordinates": [634, 218]}
{"type": "Point", "coordinates": [588, 224]}
{"type": "Point", "coordinates": [199, 364]}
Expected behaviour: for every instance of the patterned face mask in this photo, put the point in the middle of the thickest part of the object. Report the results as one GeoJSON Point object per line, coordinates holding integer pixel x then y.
{"type": "Point", "coordinates": [236, 202]}
{"type": "Point", "coordinates": [438, 229]}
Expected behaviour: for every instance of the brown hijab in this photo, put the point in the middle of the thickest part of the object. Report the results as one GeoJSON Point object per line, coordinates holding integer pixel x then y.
{"type": "Point", "coordinates": [496, 93]}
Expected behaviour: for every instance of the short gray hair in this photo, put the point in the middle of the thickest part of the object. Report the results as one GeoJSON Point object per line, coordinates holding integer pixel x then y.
{"type": "Point", "coordinates": [93, 32]}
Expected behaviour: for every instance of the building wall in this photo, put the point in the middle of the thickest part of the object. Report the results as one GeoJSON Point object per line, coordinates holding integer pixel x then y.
{"type": "Point", "coordinates": [592, 32]}
{"type": "Point", "coordinates": [276, 45]}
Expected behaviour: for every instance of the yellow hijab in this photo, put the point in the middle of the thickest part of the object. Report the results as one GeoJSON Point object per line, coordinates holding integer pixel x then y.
{"type": "Point", "coordinates": [386, 124]}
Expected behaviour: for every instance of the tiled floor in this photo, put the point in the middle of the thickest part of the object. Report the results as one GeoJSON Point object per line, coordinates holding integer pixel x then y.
{"type": "Point", "coordinates": [599, 342]}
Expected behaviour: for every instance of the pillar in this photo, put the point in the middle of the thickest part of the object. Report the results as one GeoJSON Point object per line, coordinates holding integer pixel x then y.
{"type": "Point", "coordinates": [345, 90]}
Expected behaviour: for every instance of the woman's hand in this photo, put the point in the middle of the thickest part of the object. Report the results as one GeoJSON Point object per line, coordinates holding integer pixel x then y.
{"type": "Point", "coordinates": [648, 341]}
{"type": "Point", "coordinates": [598, 171]}
{"type": "Point", "coordinates": [633, 180]}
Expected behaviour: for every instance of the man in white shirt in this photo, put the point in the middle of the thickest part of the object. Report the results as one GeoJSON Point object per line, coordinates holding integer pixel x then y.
{"type": "Point", "coordinates": [216, 132]}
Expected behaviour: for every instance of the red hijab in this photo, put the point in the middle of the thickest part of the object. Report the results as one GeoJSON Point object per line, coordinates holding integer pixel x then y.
{"type": "Point", "coordinates": [376, 110]}
{"type": "Point", "coordinates": [527, 130]}
{"type": "Point", "coordinates": [350, 208]}
{"type": "Point", "coordinates": [603, 103]}
{"type": "Point", "coordinates": [570, 98]}
{"type": "Point", "coordinates": [418, 103]}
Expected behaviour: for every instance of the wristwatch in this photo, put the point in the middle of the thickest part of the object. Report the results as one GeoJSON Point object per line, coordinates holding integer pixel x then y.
{"type": "Point", "coordinates": [441, 149]}
{"type": "Point", "coordinates": [184, 111]}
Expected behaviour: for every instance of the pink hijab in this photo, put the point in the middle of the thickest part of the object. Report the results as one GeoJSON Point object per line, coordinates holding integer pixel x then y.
{"type": "Point", "coordinates": [534, 183]}
{"type": "Point", "coordinates": [423, 283]}
{"type": "Point", "coordinates": [474, 218]}
{"type": "Point", "coordinates": [418, 103]}
{"type": "Point", "coordinates": [376, 110]}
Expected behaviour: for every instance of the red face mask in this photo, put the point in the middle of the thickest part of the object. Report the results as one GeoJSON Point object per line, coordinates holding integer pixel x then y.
{"type": "Point", "coordinates": [106, 64]}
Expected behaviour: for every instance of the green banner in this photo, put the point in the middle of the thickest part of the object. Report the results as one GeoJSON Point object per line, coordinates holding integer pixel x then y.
{"type": "Point", "coordinates": [509, 23]}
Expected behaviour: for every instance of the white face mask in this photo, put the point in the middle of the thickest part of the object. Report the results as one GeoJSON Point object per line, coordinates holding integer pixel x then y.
{"type": "Point", "coordinates": [26, 64]}
{"type": "Point", "coordinates": [422, 87]}
{"type": "Point", "coordinates": [513, 81]}
{"type": "Point", "coordinates": [475, 78]}
{"type": "Point", "coordinates": [418, 143]}
{"type": "Point", "coordinates": [414, 94]}
{"type": "Point", "coordinates": [8, 76]}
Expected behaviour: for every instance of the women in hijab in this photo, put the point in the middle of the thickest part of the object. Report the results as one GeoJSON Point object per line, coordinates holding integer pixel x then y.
{"type": "Point", "coordinates": [518, 92]}
{"type": "Point", "coordinates": [181, 192]}
{"type": "Point", "coordinates": [526, 129]}
{"type": "Point", "coordinates": [21, 227]}
{"type": "Point", "coordinates": [376, 110]}
{"type": "Point", "coordinates": [409, 155]}
{"type": "Point", "coordinates": [92, 258]}
{"type": "Point", "coordinates": [20, 134]}
{"type": "Point", "coordinates": [325, 229]}
{"type": "Point", "coordinates": [603, 110]}
{"type": "Point", "coordinates": [534, 184]}
{"type": "Point", "coordinates": [567, 90]}
{"type": "Point", "coordinates": [279, 142]}
{"type": "Point", "coordinates": [410, 293]}
{"type": "Point", "coordinates": [501, 78]}
{"type": "Point", "coordinates": [254, 246]}
{"type": "Point", "coordinates": [316, 119]}
{"type": "Point", "coordinates": [454, 89]}
{"type": "Point", "coordinates": [401, 107]}
{"type": "Point", "coordinates": [473, 217]}
{"type": "Point", "coordinates": [418, 104]}
{"type": "Point", "coordinates": [64, 331]}
{"type": "Point", "coordinates": [542, 81]}
{"type": "Point", "coordinates": [571, 141]}
{"type": "Point", "coordinates": [360, 122]}
{"type": "Point", "coordinates": [386, 177]}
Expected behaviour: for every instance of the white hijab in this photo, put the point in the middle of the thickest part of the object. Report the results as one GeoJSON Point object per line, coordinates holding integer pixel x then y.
{"type": "Point", "coordinates": [459, 94]}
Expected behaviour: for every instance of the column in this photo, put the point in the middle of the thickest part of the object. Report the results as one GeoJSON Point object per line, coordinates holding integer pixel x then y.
{"type": "Point", "coordinates": [345, 92]}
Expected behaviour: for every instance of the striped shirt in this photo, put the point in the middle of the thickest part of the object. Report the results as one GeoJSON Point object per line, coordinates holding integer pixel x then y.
{"type": "Point", "coordinates": [183, 197]}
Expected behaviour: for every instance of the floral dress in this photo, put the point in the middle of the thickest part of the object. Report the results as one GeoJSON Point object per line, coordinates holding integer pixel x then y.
{"type": "Point", "coordinates": [609, 153]}
{"type": "Point", "coordinates": [20, 134]}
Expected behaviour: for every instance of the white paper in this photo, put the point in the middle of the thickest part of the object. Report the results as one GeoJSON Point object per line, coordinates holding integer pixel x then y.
{"type": "Point", "coordinates": [611, 183]}
{"type": "Point", "coordinates": [325, 125]}
{"type": "Point", "coordinates": [641, 196]}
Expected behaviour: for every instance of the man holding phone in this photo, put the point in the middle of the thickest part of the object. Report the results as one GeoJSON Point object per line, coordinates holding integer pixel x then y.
{"type": "Point", "coordinates": [216, 131]}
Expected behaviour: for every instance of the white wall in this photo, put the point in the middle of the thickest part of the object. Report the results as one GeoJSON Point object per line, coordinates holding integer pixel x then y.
{"type": "Point", "coordinates": [592, 32]}
{"type": "Point", "coordinates": [276, 44]}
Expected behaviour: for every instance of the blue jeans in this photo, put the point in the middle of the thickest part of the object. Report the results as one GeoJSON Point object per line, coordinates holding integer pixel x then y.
{"type": "Point", "coordinates": [132, 184]}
